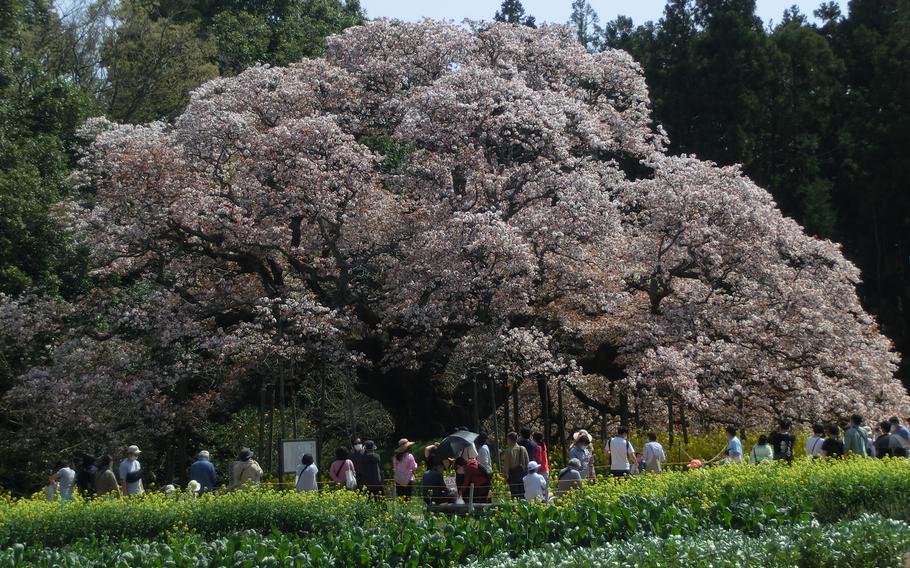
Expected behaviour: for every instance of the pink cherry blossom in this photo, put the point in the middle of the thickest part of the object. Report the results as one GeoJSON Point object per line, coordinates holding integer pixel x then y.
{"type": "Point", "coordinates": [442, 203]}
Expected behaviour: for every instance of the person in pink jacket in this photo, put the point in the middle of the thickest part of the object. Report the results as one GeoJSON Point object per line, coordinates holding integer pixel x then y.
{"type": "Point", "coordinates": [338, 470]}
{"type": "Point", "coordinates": [404, 466]}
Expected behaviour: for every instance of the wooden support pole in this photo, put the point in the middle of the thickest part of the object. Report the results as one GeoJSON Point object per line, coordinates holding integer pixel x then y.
{"type": "Point", "coordinates": [562, 423]}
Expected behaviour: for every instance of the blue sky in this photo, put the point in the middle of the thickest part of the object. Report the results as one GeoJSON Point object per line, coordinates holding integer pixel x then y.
{"type": "Point", "coordinates": [554, 10]}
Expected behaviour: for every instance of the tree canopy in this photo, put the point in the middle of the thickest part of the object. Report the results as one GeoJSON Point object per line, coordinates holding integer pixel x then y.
{"type": "Point", "coordinates": [498, 205]}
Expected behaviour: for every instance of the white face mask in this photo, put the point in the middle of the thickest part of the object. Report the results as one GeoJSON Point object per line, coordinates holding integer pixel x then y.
{"type": "Point", "coordinates": [358, 447]}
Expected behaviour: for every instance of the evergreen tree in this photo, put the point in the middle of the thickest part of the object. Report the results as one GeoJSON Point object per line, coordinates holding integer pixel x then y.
{"type": "Point", "coordinates": [513, 12]}
{"type": "Point", "coordinates": [277, 32]}
{"type": "Point", "coordinates": [586, 23]}
{"type": "Point", "coordinates": [795, 141]}
{"type": "Point", "coordinates": [870, 192]}
{"type": "Point", "coordinates": [153, 64]}
{"type": "Point", "coordinates": [39, 114]}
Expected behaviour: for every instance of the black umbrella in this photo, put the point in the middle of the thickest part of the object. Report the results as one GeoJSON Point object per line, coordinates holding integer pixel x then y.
{"type": "Point", "coordinates": [455, 444]}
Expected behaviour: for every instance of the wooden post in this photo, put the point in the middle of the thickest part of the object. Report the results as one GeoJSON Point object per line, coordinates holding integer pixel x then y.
{"type": "Point", "coordinates": [282, 432]}
{"type": "Point", "coordinates": [260, 447]}
{"type": "Point", "coordinates": [547, 417]}
{"type": "Point", "coordinates": [394, 490]}
{"type": "Point", "coordinates": [476, 406]}
{"type": "Point", "coordinates": [271, 446]}
{"type": "Point", "coordinates": [495, 421]}
{"type": "Point", "coordinates": [562, 423]}
{"type": "Point", "coordinates": [682, 422]}
{"type": "Point", "coordinates": [515, 409]}
{"type": "Point", "coordinates": [294, 398]}
{"type": "Point", "coordinates": [471, 499]}
{"type": "Point", "coordinates": [507, 414]}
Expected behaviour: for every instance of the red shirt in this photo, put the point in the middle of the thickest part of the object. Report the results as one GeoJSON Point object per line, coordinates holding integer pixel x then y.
{"type": "Point", "coordinates": [542, 458]}
{"type": "Point", "coordinates": [473, 474]}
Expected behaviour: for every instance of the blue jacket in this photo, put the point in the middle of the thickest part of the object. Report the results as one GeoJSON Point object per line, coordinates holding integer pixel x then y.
{"type": "Point", "coordinates": [204, 472]}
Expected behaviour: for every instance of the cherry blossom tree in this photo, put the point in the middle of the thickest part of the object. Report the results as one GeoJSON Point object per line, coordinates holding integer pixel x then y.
{"type": "Point", "coordinates": [432, 204]}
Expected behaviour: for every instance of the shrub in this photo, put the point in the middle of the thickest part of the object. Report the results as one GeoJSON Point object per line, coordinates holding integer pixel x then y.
{"type": "Point", "coordinates": [869, 541]}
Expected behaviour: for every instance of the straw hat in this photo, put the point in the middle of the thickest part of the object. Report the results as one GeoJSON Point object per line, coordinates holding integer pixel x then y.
{"type": "Point", "coordinates": [403, 445]}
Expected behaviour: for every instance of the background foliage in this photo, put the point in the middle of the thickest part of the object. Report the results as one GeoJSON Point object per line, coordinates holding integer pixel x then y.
{"type": "Point", "coordinates": [815, 109]}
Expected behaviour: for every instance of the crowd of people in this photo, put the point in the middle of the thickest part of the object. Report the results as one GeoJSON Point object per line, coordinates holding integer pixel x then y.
{"type": "Point", "coordinates": [525, 462]}
{"type": "Point", "coordinates": [892, 439]}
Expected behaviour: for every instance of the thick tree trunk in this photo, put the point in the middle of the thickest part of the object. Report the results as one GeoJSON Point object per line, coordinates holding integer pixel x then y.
{"type": "Point", "coordinates": [563, 439]}
{"type": "Point", "coordinates": [516, 416]}
{"type": "Point", "coordinates": [259, 448]}
{"type": "Point", "coordinates": [683, 422]}
{"type": "Point", "coordinates": [670, 432]}
{"type": "Point", "coordinates": [543, 390]}
{"type": "Point", "coordinates": [416, 402]}
{"type": "Point", "coordinates": [623, 410]}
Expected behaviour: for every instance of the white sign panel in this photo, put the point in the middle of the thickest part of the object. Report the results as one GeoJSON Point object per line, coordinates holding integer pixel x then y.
{"type": "Point", "coordinates": [293, 450]}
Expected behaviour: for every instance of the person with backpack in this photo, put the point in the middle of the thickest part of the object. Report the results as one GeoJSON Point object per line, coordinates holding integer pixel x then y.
{"type": "Point", "coordinates": [855, 437]}
{"type": "Point", "coordinates": [306, 475]}
{"type": "Point", "coordinates": [782, 441]}
{"type": "Point", "coordinates": [815, 441]}
{"type": "Point", "coordinates": [342, 470]}
{"type": "Point", "coordinates": [621, 453]}
{"type": "Point", "coordinates": [131, 473]}
{"type": "Point", "coordinates": [245, 470]}
{"type": "Point", "coordinates": [474, 472]}
{"type": "Point", "coordinates": [653, 455]}
{"type": "Point", "coordinates": [515, 464]}
{"type": "Point", "coordinates": [833, 446]}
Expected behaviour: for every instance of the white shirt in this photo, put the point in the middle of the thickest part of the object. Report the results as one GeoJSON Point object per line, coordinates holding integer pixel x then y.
{"type": "Point", "coordinates": [653, 456]}
{"type": "Point", "coordinates": [535, 487]}
{"type": "Point", "coordinates": [129, 466]}
{"type": "Point", "coordinates": [306, 478]}
{"type": "Point", "coordinates": [66, 478]}
{"type": "Point", "coordinates": [469, 451]}
{"type": "Point", "coordinates": [620, 450]}
{"type": "Point", "coordinates": [483, 456]}
{"type": "Point", "coordinates": [814, 445]}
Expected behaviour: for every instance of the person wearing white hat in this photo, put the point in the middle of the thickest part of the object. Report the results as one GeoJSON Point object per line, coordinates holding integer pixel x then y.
{"type": "Point", "coordinates": [203, 471]}
{"type": "Point", "coordinates": [131, 472]}
{"type": "Point", "coordinates": [535, 484]}
{"type": "Point", "coordinates": [583, 452]}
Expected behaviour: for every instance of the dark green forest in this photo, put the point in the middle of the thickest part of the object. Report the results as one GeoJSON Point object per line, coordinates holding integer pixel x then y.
{"type": "Point", "coordinates": [814, 106]}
